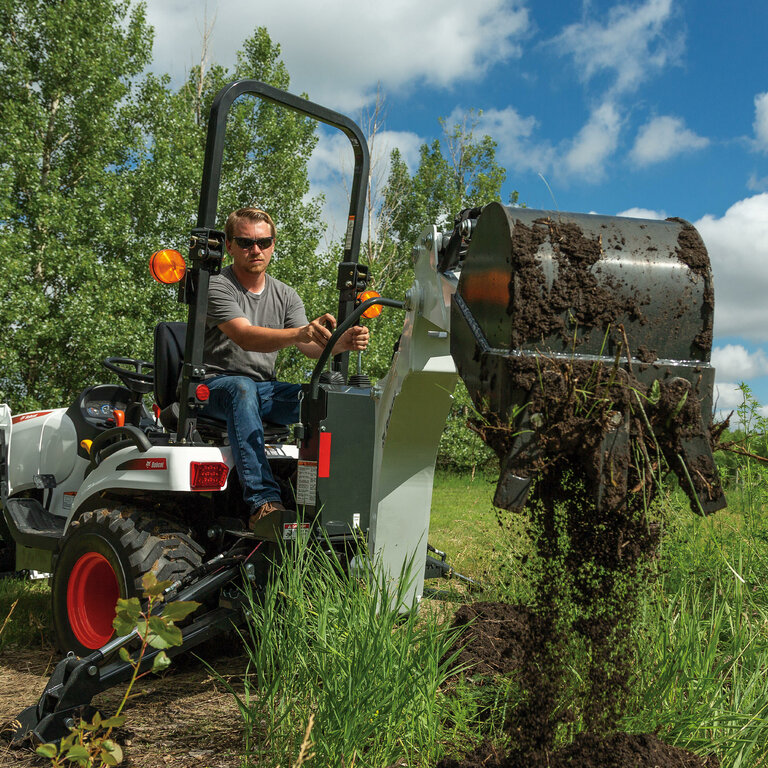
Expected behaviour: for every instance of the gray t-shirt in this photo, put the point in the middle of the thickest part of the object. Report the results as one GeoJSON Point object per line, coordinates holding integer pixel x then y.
{"type": "Point", "coordinates": [277, 306]}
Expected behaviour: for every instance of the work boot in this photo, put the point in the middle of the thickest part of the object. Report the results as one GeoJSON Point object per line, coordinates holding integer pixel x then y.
{"type": "Point", "coordinates": [265, 509]}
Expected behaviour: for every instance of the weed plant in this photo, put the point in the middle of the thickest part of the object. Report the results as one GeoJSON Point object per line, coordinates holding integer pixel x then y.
{"type": "Point", "coordinates": [331, 643]}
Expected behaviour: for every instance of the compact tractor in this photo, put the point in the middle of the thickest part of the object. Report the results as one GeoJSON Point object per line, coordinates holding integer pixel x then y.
{"type": "Point", "coordinates": [104, 490]}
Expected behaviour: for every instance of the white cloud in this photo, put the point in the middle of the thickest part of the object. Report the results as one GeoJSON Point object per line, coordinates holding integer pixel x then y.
{"type": "Point", "coordinates": [337, 51]}
{"type": "Point", "coordinates": [521, 149]}
{"type": "Point", "coordinates": [736, 363]}
{"type": "Point", "coordinates": [631, 43]}
{"type": "Point", "coordinates": [642, 213]}
{"type": "Point", "coordinates": [518, 148]}
{"type": "Point", "coordinates": [761, 121]}
{"type": "Point", "coordinates": [757, 183]}
{"type": "Point", "coordinates": [593, 145]}
{"type": "Point", "coordinates": [738, 248]}
{"type": "Point", "coordinates": [662, 138]}
{"type": "Point", "coordinates": [727, 397]}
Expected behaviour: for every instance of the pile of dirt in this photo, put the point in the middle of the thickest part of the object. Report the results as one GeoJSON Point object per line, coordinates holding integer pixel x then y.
{"type": "Point", "coordinates": [500, 639]}
{"type": "Point", "coordinates": [617, 750]}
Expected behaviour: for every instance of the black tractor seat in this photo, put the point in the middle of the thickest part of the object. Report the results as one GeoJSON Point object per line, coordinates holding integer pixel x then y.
{"type": "Point", "coordinates": [169, 358]}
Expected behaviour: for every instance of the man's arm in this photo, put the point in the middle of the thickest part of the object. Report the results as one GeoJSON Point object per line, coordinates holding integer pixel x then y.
{"type": "Point", "coordinates": [255, 338]}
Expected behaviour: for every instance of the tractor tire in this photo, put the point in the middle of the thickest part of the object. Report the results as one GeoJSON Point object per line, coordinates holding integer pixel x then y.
{"type": "Point", "coordinates": [102, 557]}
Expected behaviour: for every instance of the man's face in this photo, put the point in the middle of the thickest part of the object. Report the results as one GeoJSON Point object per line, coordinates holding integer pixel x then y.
{"type": "Point", "coordinates": [253, 260]}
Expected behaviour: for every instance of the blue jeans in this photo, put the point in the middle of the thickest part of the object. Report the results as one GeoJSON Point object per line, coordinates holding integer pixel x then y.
{"type": "Point", "coordinates": [244, 404]}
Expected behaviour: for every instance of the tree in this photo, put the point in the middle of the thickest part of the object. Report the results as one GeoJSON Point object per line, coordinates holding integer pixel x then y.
{"type": "Point", "coordinates": [66, 71]}
{"type": "Point", "coordinates": [98, 170]}
{"type": "Point", "coordinates": [467, 175]}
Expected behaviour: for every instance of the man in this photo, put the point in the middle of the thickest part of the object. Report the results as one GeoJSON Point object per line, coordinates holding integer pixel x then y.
{"type": "Point", "coordinates": [251, 317]}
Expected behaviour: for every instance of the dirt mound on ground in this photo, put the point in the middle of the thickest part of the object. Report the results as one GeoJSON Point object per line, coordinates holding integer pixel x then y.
{"type": "Point", "coordinates": [499, 638]}
{"type": "Point", "coordinates": [617, 750]}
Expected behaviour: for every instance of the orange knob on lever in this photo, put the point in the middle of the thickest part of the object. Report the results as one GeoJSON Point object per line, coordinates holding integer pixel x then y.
{"type": "Point", "coordinates": [119, 417]}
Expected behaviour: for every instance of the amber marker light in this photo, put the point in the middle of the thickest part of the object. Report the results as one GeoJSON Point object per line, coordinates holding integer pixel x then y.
{"type": "Point", "coordinates": [375, 309]}
{"type": "Point", "coordinates": [167, 266]}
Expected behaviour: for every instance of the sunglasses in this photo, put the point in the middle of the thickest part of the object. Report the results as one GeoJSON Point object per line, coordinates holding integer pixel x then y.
{"type": "Point", "coordinates": [247, 242]}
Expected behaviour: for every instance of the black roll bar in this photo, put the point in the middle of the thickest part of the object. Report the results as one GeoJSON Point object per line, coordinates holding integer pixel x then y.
{"type": "Point", "coordinates": [206, 262]}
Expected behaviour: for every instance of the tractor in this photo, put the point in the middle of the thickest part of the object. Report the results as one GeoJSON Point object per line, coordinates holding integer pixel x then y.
{"type": "Point", "coordinates": [103, 490]}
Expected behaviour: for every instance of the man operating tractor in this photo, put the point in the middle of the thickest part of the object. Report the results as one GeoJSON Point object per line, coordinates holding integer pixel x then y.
{"type": "Point", "coordinates": [251, 317]}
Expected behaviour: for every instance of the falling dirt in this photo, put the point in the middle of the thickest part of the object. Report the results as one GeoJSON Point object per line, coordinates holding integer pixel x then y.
{"type": "Point", "coordinates": [618, 750]}
{"type": "Point", "coordinates": [587, 447]}
{"type": "Point", "coordinates": [503, 639]}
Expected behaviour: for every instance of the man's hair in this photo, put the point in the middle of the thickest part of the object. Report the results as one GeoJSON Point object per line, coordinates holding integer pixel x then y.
{"type": "Point", "coordinates": [253, 214]}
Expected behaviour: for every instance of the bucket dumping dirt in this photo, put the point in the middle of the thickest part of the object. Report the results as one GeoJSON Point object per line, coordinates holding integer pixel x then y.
{"type": "Point", "coordinates": [584, 342]}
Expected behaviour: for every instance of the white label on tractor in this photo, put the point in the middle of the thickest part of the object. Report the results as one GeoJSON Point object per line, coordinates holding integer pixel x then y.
{"type": "Point", "coordinates": [67, 500]}
{"type": "Point", "coordinates": [306, 483]}
{"type": "Point", "coordinates": [292, 530]}
{"type": "Point", "coordinates": [350, 230]}
{"type": "Point", "coordinates": [356, 520]}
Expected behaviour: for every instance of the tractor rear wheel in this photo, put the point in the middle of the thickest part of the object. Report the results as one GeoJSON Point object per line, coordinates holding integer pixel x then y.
{"type": "Point", "coordinates": [103, 557]}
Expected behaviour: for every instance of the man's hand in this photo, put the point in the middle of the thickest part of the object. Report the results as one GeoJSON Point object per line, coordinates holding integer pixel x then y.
{"type": "Point", "coordinates": [318, 331]}
{"type": "Point", "coordinates": [354, 340]}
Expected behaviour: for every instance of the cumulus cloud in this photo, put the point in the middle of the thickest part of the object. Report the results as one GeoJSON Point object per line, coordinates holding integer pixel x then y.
{"type": "Point", "coordinates": [642, 213]}
{"type": "Point", "coordinates": [337, 51]}
{"type": "Point", "coordinates": [735, 362]}
{"type": "Point", "coordinates": [632, 44]}
{"type": "Point", "coordinates": [521, 147]}
{"type": "Point", "coordinates": [738, 248]}
{"type": "Point", "coordinates": [662, 138]}
{"type": "Point", "coordinates": [518, 147]}
{"type": "Point", "coordinates": [594, 144]}
{"type": "Point", "coordinates": [761, 121]}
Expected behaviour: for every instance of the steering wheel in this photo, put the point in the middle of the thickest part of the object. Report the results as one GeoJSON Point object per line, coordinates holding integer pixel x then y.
{"type": "Point", "coordinates": [132, 373]}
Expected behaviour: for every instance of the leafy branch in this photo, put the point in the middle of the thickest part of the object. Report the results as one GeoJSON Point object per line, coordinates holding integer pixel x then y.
{"type": "Point", "coordinates": [90, 744]}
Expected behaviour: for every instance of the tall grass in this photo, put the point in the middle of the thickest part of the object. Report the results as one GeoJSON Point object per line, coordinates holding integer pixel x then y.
{"type": "Point", "coordinates": [702, 637]}
{"type": "Point", "coordinates": [24, 613]}
{"type": "Point", "coordinates": [324, 643]}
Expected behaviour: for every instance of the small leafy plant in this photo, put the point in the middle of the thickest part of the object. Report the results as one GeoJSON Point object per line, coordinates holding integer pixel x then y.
{"type": "Point", "coordinates": [90, 744]}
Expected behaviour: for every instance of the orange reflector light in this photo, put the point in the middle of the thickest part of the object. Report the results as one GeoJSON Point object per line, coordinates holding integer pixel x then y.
{"type": "Point", "coordinates": [202, 393]}
{"type": "Point", "coordinates": [207, 475]}
{"type": "Point", "coordinates": [167, 266]}
{"type": "Point", "coordinates": [372, 311]}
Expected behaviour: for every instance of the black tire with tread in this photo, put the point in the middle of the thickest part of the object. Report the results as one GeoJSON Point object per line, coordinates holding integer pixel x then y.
{"type": "Point", "coordinates": [134, 541]}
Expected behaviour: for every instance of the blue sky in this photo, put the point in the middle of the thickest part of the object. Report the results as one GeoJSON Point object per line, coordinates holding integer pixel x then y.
{"type": "Point", "coordinates": [650, 107]}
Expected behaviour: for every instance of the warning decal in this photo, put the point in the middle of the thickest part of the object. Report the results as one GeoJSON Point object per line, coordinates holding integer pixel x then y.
{"type": "Point", "coordinates": [306, 483]}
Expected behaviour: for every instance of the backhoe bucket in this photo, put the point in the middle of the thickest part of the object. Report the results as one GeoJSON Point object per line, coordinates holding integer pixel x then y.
{"type": "Point", "coordinates": [586, 339]}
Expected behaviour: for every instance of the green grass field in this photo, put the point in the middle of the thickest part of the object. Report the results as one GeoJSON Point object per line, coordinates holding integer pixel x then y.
{"type": "Point", "coordinates": [375, 687]}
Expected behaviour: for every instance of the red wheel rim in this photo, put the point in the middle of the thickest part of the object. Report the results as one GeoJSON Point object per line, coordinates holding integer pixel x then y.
{"type": "Point", "coordinates": [92, 594]}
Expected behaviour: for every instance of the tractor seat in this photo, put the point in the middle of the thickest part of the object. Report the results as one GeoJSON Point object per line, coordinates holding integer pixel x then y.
{"type": "Point", "coordinates": [169, 358]}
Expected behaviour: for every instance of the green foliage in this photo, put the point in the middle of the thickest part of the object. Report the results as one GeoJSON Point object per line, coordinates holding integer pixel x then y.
{"type": "Point", "coordinates": [89, 744]}
{"type": "Point", "coordinates": [326, 643]}
{"type": "Point", "coordinates": [65, 136]}
{"type": "Point", "coordinates": [702, 650]}
{"type": "Point", "coordinates": [24, 613]}
{"type": "Point", "coordinates": [98, 169]}
{"type": "Point", "coordinates": [461, 449]}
